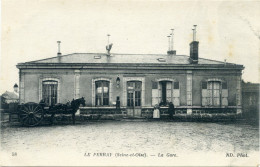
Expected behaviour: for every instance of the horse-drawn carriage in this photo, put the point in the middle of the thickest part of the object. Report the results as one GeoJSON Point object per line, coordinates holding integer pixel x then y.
{"type": "Point", "coordinates": [32, 114]}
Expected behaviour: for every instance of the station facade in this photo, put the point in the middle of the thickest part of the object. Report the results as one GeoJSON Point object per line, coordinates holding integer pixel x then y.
{"type": "Point", "coordinates": [138, 81]}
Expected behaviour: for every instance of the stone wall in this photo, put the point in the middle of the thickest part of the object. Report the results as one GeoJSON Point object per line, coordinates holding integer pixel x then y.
{"type": "Point", "coordinates": [75, 83]}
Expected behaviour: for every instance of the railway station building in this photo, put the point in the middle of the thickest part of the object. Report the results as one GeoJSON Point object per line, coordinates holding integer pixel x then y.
{"type": "Point", "coordinates": [139, 81]}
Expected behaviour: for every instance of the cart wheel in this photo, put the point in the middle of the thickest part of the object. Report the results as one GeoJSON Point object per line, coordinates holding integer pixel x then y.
{"type": "Point", "coordinates": [31, 114]}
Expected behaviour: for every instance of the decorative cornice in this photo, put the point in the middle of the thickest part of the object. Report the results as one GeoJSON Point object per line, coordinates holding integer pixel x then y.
{"type": "Point", "coordinates": [149, 66]}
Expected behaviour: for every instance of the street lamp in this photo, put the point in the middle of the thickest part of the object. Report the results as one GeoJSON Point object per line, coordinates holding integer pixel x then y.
{"type": "Point", "coordinates": [15, 88]}
{"type": "Point", "coordinates": [118, 82]}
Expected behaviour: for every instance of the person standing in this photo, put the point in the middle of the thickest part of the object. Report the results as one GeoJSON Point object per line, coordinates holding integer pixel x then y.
{"type": "Point", "coordinates": [156, 111]}
{"type": "Point", "coordinates": [118, 102]}
{"type": "Point", "coordinates": [171, 110]}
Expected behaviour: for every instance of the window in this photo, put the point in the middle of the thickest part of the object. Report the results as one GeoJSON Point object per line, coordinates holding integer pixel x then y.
{"type": "Point", "coordinates": [214, 93]}
{"type": "Point", "coordinates": [102, 93]}
{"type": "Point", "coordinates": [49, 92]}
{"type": "Point", "coordinates": [161, 59]}
{"type": "Point", "coordinates": [134, 89]}
{"type": "Point", "coordinates": [97, 57]}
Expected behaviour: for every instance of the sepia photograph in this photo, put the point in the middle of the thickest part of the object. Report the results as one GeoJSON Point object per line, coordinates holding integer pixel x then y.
{"type": "Point", "coordinates": [129, 83]}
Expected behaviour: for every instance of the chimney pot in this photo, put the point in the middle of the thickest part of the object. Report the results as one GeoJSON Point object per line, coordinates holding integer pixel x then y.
{"type": "Point", "coordinates": [170, 50]}
{"type": "Point", "coordinates": [194, 48]}
{"type": "Point", "coordinates": [59, 53]}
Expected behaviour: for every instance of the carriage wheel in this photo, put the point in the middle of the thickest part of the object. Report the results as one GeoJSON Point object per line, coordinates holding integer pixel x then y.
{"type": "Point", "coordinates": [31, 114]}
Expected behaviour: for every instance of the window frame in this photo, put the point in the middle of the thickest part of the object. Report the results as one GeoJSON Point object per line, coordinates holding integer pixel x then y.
{"type": "Point", "coordinates": [103, 84]}
{"type": "Point", "coordinates": [133, 100]}
{"type": "Point", "coordinates": [42, 79]}
{"type": "Point", "coordinates": [220, 89]}
{"type": "Point", "coordinates": [51, 91]}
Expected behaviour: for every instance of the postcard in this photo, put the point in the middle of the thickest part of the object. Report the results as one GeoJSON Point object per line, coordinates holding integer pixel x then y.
{"type": "Point", "coordinates": [129, 83]}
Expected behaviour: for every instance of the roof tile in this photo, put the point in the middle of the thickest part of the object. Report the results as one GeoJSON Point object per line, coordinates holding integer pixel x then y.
{"type": "Point", "coordinates": [124, 58]}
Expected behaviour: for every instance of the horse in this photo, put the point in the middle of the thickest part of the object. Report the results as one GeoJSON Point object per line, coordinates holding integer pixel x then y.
{"type": "Point", "coordinates": [75, 104]}
{"type": "Point", "coordinates": [69, 108]}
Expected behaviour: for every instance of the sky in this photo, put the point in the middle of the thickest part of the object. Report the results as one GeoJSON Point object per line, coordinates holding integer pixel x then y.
{"type": "Point", "coordinates": [30, 30]}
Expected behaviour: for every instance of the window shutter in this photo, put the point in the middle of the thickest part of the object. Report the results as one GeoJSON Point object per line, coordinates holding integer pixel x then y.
{"type": "Point", "coordinates": [210, 95]}
{"type": "Point", "coordinates": [159, 93]}
{"type": "Point", "coordinates": [224, 94]}
{"type": "Point", "coordinates": [154, 85]}
{"type": "Point", "coordinates": [155, 96]}
{"type": "Point", "coordinates": [176, 85]}
{"type": "Point", "coordinates": [169, 91]}
{"type": "Point", "coordinates": [176, 94]}
{"type": "Point", "coordinates": [204, 93]}
{"type": "Point", "coordinates": [224, 85]}
{"type": "Point", "coordinates": [216, 94]}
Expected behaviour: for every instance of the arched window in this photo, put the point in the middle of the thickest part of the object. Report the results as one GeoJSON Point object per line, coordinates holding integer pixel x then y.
{"type": "Point", "coordinates": [49, 92]}
{"type": "Point", "coordinates": [102, 93]}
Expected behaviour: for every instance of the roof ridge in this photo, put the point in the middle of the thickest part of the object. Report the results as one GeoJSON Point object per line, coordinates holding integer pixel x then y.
{"type": "Point", "coordinates": [127, 53]}
{"type": "Point", "coordinates": [49, 58]}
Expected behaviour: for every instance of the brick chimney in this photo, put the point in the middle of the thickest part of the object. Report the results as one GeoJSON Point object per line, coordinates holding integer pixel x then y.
{"type": "Point", "coordinates": [194, 52]}
{"type": "Point", "coordinates": [194, 48]}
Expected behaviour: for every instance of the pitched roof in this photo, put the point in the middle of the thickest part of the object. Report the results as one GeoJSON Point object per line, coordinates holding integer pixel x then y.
{"type": "Point", "coordinates": [125, 58]}
{"type": "Point", "coordinates": [10, 95]}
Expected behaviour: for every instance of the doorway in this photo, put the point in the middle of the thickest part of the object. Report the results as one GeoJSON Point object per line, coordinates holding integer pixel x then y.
{"type": "Point", "coordinates": [163, 102]}
{"type": "Point", "coordinates": [134, 94]}
{"type": "Point", "coordinates": [165, 90]}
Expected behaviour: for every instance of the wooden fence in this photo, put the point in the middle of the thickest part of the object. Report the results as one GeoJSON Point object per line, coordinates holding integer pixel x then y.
{"type": "Point", "coordinates": [9, 113]}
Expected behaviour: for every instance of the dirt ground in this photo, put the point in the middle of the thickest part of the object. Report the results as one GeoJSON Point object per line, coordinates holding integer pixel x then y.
{"type": "Point", "coordinates": [133, 136]}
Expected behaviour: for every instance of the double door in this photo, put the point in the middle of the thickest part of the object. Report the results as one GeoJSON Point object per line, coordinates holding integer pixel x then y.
{"type": "Point", "coordinates": [134, 94]}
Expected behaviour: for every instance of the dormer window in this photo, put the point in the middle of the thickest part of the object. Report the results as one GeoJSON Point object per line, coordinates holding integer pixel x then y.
{"type": "Point", "coordinates": [97, 57]}
{"type": "Point", "coordinates": [161, 59]}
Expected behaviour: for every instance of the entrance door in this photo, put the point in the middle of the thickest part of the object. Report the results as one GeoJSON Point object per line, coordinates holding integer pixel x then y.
{"type": "Point", "coordinates": [49, 92]}
{"type": "Point", "coordinates": [134, 90]}
{"type": "Point", "coordinates": [165, 88]}
{"type": "Point", "coordinates": [163, 102]}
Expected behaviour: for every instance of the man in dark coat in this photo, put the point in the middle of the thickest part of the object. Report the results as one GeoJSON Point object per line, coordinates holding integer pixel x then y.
{"type": "Point", "coordinates": [117, 102]}
{"type": "Point", "coordinates": [171, 110]}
